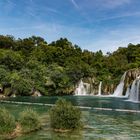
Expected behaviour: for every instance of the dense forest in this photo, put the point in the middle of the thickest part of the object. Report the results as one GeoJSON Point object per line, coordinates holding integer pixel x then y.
{"type": "Point", "coordinates": [31, 64]}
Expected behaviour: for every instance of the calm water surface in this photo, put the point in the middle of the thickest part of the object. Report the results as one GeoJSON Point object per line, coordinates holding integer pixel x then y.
{"type": "Point", "coordinates": [98, 125]}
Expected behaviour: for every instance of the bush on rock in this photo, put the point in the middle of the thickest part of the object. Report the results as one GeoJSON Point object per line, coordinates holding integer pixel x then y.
{"type": "Point", "coordinates": [29, 120]}
{"type": "Point", "coordinates": [7, 122]}
{"type": "Point", "coordinates": [65, 116]}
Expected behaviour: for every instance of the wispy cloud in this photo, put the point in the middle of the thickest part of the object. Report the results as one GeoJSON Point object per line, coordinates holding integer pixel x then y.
{"type": "Point", "coordinates": [83, 23]}
{"type": "Point", "coordinates": [34, 10]}
{"type": "Point", "coordinates": [9, 6]}
{"type": "Point", "coordinates": [31, 11]}
{"type": "Point", "coordinates": [20, 28]}
{"type": "Point", "coordinates": [52, 10]}
{"type": "Point", "coordinates": [123, 15]}
{"type": "Point", "coordinates": [82, 12]}
{"type": "Point", "coordinates": [102, 5]}
{"type": "Point", "coordinates": [114, 3]}
{"type": "Point", "coordinates": [109, 41]}
{"type": "Point", "coordinates": [75, 4]}
{"type": "Point", "coordinates": [53, 30]}
{"type": "Point", "coordinates": [114, 39]}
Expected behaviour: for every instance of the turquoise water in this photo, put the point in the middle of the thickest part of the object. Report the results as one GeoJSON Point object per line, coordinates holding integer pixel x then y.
{"type": "Point", "coordinates": [86, 101]}
{"type": "Point", "coordinates": [98, 125]}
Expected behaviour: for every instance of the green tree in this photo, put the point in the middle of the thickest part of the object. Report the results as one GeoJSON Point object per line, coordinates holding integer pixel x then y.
{"type": "Point", "coordinates": [7, 42]}
{"type": "Point", "coordinates": [12, 60]}
{"type": "Point", "coordinates": [20, 85]}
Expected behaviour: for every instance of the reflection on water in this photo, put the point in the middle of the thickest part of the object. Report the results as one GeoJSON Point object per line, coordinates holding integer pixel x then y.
{"type": "Point", "coordinates": [98, 125]}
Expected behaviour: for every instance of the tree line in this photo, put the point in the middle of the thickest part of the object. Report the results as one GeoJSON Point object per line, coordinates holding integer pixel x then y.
{"type": "Point", "coordinates": [31, 64]}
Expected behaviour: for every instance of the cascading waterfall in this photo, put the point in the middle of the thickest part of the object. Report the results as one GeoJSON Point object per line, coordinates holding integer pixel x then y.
{"type": "Point", "coordinates": [135, 90]}
{"type": "Point", "coordinates": [87, 87]}
{"type": "Point", "coordinates": [127, 94]}
{"type": "Point", "coordinates": [119, 90]}
{"type": "Point", "coordinates": [81, 90]}
{"type": "Point", "coordinates": [100, 89]}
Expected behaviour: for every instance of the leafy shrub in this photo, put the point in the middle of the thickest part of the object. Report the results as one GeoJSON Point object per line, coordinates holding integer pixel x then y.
{"type": "Point", "coordinates": [7, 121]}
{"type": "Point", "coordinates": [29, 120]}
{"type": "Point", "coordinates": [65, 116]}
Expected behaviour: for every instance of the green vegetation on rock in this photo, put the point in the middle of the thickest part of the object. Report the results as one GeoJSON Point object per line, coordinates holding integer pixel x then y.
{"type": "Point", "coordinates": [29, 121]}
{"type": "Point", "coordinates": [65, 116]}
{"type": "Point", "coordinates": [12, 127]}
{"type": "Point", "coordinates": [7, 122]}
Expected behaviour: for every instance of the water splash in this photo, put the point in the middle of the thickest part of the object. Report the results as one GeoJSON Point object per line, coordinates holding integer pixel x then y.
{"type": "Point", "coordinates": [119, 90]}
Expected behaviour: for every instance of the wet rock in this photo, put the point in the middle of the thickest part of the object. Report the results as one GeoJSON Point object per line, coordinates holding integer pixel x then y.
{"type": "Point", "coordinates": [37, 94]}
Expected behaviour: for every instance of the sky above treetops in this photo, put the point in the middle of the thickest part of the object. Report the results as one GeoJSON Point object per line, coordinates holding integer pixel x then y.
{"type": "Point", "coordinates": [92, 24]}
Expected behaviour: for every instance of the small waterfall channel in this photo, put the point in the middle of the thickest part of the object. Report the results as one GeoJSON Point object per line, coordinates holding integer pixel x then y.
{"type": "Point", "coordinates": [82, 88]}
{"type": "Point", "coordinates": [134, 94]}
{"type": "Point", "coordinates": [85, 89]}
{"type": "Point", "coordinates": [119, 90]}
{"type": "Point", "coordinates": [100, 89]}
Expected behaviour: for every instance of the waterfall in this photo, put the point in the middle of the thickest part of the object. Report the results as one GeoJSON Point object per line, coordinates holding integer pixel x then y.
{"type": "Point", "coordinates": [81, 90]}
{"type": "Point", "coordinates": [87, 87]}
{"type": "Point", "coordinates": [127, 94]}
{"type": "Point", "coordinates": [100, 88]}
{"type": "Point", "coordinates": [135, 90]}
{"type": "Point", "coordinates": [119, 90]}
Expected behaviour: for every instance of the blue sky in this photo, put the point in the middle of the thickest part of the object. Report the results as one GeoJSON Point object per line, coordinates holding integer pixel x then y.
{"type": "Point", "coordinates": [91, 24]}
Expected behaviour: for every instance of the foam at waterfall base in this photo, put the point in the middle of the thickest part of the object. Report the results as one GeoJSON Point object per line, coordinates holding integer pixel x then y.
{"type": "Point", "coordinates": [137, 102]}
{"type": "Point", "coordinates": [111, 95]}
{"type": "Point", "coordinates": [104, 96]}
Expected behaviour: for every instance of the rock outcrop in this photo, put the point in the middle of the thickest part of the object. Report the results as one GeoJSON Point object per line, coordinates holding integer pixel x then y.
{"type": "Point", "coordinates": [131, 75]}
{"type": "Point", "coordinates": [36, 94]}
